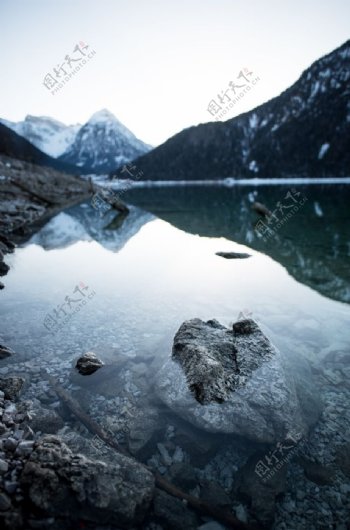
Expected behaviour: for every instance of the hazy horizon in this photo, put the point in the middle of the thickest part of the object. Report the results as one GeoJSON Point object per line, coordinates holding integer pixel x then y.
{"type": "Point", "coordinates": [157, 65]}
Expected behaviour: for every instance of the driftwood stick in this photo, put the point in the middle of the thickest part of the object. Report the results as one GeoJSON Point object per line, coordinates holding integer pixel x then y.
{"type": "Point", "coordinates": [200, 506]}
{"type": "Point", "coordinates": [85, 419]}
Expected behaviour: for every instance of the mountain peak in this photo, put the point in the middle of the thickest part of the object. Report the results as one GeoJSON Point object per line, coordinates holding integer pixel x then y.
{"type": "Point", "coordinates": [103, 144]}
{"type": "Point", "coordinates": [102, 115]}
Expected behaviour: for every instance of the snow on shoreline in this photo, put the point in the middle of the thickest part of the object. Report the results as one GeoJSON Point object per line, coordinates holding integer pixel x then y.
{"type": "Point", "coordinates": [228, 182]}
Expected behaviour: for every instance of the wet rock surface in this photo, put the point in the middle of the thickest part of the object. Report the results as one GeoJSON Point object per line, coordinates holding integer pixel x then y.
{"type": "Point", "coordinates": [30, 193]}
{"type": "Point", "coordinates": [5, 352]}
{"type": "Point", "coordinates": [233, 381]}
{"type": "Point", "coordinates": [217, 360]}
{"type": "Point", "coordinates": [118, 494]}
{"type": "Point", "coordinates": [88, 363]}
{"type": "Point", "coordinates": [11, 386]}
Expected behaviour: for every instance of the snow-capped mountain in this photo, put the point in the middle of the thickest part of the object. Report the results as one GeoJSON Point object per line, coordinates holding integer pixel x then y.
{"type": "Point", "coordinates": [303, 132]}
{"type": "Point", "coordinates": [18, 148]}
{"type": "Point", "coordinates": [50, 136]}
{"type": "Point", "coordinates": [103, 144]}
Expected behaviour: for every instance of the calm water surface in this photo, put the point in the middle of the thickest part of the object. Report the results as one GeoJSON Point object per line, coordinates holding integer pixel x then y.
{"type": "Point", "coordinates": [159, 269]}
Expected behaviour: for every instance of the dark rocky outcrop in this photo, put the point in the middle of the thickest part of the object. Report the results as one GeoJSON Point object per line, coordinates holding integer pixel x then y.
{"type": "Point", "coordinates": [70, 487]}
{"type": "Point", "coordinates": [235, 381]}
{"type": "Point", "coordinates": [217, 360]}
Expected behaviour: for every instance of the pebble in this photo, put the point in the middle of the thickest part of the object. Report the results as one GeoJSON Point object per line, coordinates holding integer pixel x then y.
{"type": "Point", "coordinates": [25, 448]}
{"type": "Point", "coordinates": [3, 466]}
{"type": "Point", "coordinates": [10, 444]}
{"type": "Point", "coordinates": [241, 513]}
{"type": "Point", "coordinates": [178, 455]}
{"type": "Point", "coordinates": [10, 486]}
{"type": "Point", "coordinates": [167, 460]}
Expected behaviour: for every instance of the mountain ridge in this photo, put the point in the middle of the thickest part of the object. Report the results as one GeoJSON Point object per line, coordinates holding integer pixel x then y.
{"type": "Point", "coordinates": [103, 144]}
{"type": "Point", "coordinates": [305, 131]}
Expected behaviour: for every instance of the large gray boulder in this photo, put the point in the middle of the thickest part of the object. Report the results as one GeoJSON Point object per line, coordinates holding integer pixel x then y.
{"type": "Point", "coordinates": [235, 381]}
{"type": "Point", "coordinates": [60, 484]}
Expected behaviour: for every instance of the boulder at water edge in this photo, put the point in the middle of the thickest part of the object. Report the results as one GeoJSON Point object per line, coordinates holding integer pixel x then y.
{"type": "Point", "coordinates": [235, 381]}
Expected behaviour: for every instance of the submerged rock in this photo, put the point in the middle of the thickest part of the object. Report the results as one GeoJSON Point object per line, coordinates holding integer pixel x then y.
{"type": "Point", "coordinates": [60, 484]}
{"type": "Point", "coordinates": [11, 386]}
{"type": "Point", "coordinates": [88, 363]}
{"type": "Point", "coordinates": [235, 381]}
{"type": "Point", "coordinates": [260, 495]}
{"type": "Point", "coordinates": [318, 473]}
{"type": "Point", "coordinates": [46, 420]}
{"type": "Point", "coordinates": [217, 360]}
{"type": "Point", "coordinates": [5, 352]}
{"type": "Point", "coordinates": [172, 513]}
{"type": "Point", "coordinates": [261, 209]}
{"type": "Point", "coordinates": [233, 255]}
{"type": "Point", "coordinates": [4, 268]}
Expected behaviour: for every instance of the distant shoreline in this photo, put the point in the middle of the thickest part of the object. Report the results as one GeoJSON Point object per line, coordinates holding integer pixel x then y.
{"type": "Point", "coordinates": [228, 182]}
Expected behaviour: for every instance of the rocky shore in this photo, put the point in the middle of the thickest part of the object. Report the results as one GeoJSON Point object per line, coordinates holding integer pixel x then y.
{"type": "Point", "coordinates": [228, 419]}
{"type": "Point", "coordinates": [29, 196]}
{"type": "Point", "coordinates": [55, 473]}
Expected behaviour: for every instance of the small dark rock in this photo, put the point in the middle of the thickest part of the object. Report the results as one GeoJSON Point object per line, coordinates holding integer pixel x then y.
{"type": "Point", "coordinates": [261, 209]}
{"type": "Point", "coordinates": [172, 513]}
{"type": "Point", "coordinates": [343, 459]}
{"type": "Point", "coordinates": [4, 268]}
{"type": "Point", "coordinates": [183, 476]}
{"type": "Point", "coordinates": [10, 444]}
{"type": "Point", "coordinates": [6, 244]}
{"type": "Point", "coordinates": [233, 255]}
{"type": "Point", "coordinates": [5, 352]}
{"type": "Point", "coordinates": [88, 363]}
{"type": "Point", "coordinates": [214, 494]}
{"type": "Point", "coordinates": [46, 421]}
{"type": "Point", "coordinates": [318, 473]}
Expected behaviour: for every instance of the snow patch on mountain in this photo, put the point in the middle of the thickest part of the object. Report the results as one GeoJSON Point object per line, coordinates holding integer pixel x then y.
{"type": "Point", "coordinates": [104, 144]}
{"type": "Point", "coordinates": [49, 135]}
{"type": "Point", "coordinates": [323, 151]}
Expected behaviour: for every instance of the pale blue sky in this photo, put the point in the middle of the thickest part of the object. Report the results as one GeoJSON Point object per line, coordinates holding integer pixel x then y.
{"type": "Point", "coordinates": [158, 63]}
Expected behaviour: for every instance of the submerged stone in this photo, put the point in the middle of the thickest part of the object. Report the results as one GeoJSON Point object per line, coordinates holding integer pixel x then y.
{"type": "Point", "coordinates": [88, 363]}
{"type": "Point", "coordinates": [233, 255]}
{"type": "Point", "coordinates": [235, 381]}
